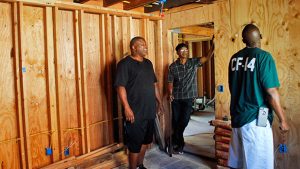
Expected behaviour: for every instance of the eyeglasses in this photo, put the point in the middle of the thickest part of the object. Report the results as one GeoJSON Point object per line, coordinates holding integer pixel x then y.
{"type": "Point", "coordinates": [183, 50]}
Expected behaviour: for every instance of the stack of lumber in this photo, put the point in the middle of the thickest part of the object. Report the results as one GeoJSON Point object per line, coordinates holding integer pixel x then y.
{"type": "Point", "coordinates": [107, 157]}
{"type": "Point", "coordinates": [222, 138]}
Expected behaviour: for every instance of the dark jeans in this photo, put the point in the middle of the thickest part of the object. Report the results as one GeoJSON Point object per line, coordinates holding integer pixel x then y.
{"type": "Point", "coordinates": [182, 109]}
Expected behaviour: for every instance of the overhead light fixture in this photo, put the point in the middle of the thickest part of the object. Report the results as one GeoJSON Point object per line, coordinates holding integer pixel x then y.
{"type": "Point", "coordinates": [198, 1]}
{"type": "Point", "coordinates": [126, 2]}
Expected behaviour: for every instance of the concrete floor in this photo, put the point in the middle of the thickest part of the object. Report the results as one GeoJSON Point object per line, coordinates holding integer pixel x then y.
{"type": "Point", "coordinates": [199, 151]}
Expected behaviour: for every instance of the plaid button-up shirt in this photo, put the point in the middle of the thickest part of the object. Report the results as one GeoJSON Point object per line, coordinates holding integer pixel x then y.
{"type": "Point", "coordinates": [184, 78]}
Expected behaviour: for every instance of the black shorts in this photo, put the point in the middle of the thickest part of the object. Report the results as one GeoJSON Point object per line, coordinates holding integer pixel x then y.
{"type": "Point", "coordinates": [138, 133]}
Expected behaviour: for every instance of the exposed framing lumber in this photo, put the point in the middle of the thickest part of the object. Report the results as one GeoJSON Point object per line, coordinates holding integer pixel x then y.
{"type": "Point", "coordinates": [73, 161]}
{"type": "Point", "coordinates": [78, 69]}
{"type": "Point", "coordinates": [116, 50]}
{"type": "Point", "coordinates": [168, 4]}
{"type": "Point", "coordinates": [107, 26]}
{"type": "Point", "coordinates": [19, 89]}
{"type": "Point", "coordinates": [126, 33]}
{"type": "Point", "coordinates": [24, 109]}
{"type": "Point", "coordinates": [107, 3]}
{"type": "Point", "coordinates": [137, 3]}
{"type": "Point", "coordinates": [84, 83]}
{"type": "Point", "coordinates": [87, 8]}
{"type": "Point", "coordinates": [103, 21]}
{"type": "Point", "coordinates": [195, 30]}
{"type": "Point", "coordinates": [145, 29]}
{"type": "Point", "coordinates": [59, 122]}
{"type": "Point", "coordinates": [50, 81]}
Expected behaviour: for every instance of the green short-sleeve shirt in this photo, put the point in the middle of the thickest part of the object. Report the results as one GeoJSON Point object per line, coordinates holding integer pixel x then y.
{"type": "Point", "coordinates": [251, 71]}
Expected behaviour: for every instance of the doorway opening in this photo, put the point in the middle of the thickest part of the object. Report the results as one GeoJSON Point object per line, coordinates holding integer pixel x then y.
{"type": "Point", "coordinates": [198, 135]}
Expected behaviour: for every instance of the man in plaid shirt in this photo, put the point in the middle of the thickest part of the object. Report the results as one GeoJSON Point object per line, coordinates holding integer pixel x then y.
{"type": "Point", "coordinates": [182, 88]}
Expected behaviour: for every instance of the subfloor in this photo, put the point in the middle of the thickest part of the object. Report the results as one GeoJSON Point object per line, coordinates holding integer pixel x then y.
{"type": "Point", "coordinates": [199, 151]}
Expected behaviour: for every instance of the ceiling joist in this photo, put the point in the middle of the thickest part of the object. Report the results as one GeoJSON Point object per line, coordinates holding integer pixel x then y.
{"type": "Point", "coordinates": [107, 3]}
{"type": "Point", "coordinates": [136, 3]}
{"type": "Point", "coordinates": [195, 30]}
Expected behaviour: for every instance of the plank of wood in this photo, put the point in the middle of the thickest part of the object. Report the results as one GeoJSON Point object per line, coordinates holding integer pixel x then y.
{"type": "Point", "coordinates": [9, 142]}
{"type": "Point", "coordinates": [24, 103]}
{"type": "Point", "coordinates": [17, 71]}
{"type": "Point", "coordinates": [68, 95]}
{"type": "Point", "coordinates": [126, 34]}
{"type": "Point", "coordinates": [195, 30]}
{"type": "Point", "coordinates": [108, 64]}
{"type": "Point", "coordinates": [78, 64]}
{"type": "Point", "coordinates": [136, 3]}
{"type": "Point", "coordinates": [145, 28]}
{"type": "Point", "coordinates": [117, 53]}
{"type": "Point", "coordinates": [116, 10]}
{"type": "Point", "coordinates": [117, 160]}
{"type": "Point", "coordinates": [35, 82]}
{"type": "Point", "coordinates": [93, 71]}
{"type": "Point", "coordinates": [73, 161]}
{"type": "Point", "coordinates": [104, 69]}
{"type": "Point", "coordinates": [159, 59]}
{"type": "Point", "coordinates": [56, 26]}
{"type": "Point", "coordinates": [83, 60]}
{"type": "Point", "coordinates": [51, 87]}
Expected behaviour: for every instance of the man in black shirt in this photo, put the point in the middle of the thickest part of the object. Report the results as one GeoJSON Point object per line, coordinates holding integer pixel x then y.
{"type": "Point", "coordinates": [137, 88]}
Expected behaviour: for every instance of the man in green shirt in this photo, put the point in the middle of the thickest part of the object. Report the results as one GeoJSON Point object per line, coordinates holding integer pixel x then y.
{"type": "Point", "coordinates": [253, 84]}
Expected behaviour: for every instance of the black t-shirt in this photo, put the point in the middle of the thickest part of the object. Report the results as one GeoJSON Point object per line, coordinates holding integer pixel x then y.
{"type": "Point", "coordinates": [138, 78]}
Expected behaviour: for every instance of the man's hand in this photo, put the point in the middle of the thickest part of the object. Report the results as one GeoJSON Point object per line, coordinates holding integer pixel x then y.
{"type": "Point", "coordinates": [283, 126]}
{"type": "Point", "coordinates": [171, 98]}
{"type": "Point", "coordinates": [129, 115]}
{"type": "Point", "coordinates": [160, 109]}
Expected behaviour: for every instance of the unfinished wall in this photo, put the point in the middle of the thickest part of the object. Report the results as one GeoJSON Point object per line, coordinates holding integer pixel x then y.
{"type": "Point", "coordinates": [57, 64]}
{"type": "Point", "coordinates": [279, 22]}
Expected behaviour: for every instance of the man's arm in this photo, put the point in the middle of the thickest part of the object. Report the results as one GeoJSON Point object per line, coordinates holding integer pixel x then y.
{"type": "Point", "coordinates": [123, 96]}
{"type": "Point", "coordinates": [273, 99]}
{"type": "Point", "coordinates": [170, 91]}
{"type": "Point", "coordinates": [158, 99]}
{"type": "Point", "coordinates": [204, 59]}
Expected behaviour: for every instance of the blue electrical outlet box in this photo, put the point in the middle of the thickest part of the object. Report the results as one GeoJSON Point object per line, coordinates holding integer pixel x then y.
{"type": "Point", "coordinates": [283, 148]}
{"type": "Point", "coordinates": [220, 88]}
{"type": "Point", "coordinates": [67, 151]}
{"type": "Point", "coordinates": [49, 151]}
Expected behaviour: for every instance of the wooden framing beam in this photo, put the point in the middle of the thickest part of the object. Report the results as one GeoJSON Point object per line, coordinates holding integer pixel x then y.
{"type": "Point", "coordinates": [23, 86]}
{"type": "Point", "coordinates": [73, 161]}
{"type": "Point", "coordinates": [107, 3]}
{"type": "Point", "coordinates": [136, 3]}
{"type": "Point", "coordinates": [168, 4]}
{"type": "Point", "coordinates": [195, 30]}
{"type": "Point", "coordinates": [19, 89]}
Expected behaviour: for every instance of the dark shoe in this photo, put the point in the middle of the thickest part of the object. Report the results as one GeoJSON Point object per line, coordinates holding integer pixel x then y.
{"type": "Point", "coordinates": [178, 150]}
{"type": "Point", "coordinates": [141, 166]}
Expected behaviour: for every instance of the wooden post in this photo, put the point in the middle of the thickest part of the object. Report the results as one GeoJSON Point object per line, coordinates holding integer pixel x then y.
{"type": "Point", "coordinates": [19, 89]}
{"type": "Point", "coordinates": [22, 75]}
{"type": "Point", "coordinates": [50, 78]}
{"type": "Point", "coordinates": [108, 42]}
{"type": "Point", "coordinates": [60, 132]}
{"type": "Point", "coordinates": [78, 50]}
{"type": "Point", "coordinates": [84, 82]}
{"type": "Point", "coordinates": [117, 50]}
{"type": "Point", "coordinates": [126, 33]}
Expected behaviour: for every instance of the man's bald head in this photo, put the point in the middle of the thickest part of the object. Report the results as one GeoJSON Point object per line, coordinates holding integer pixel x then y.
{"type": "Point", "coordinates": [251, 36]}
